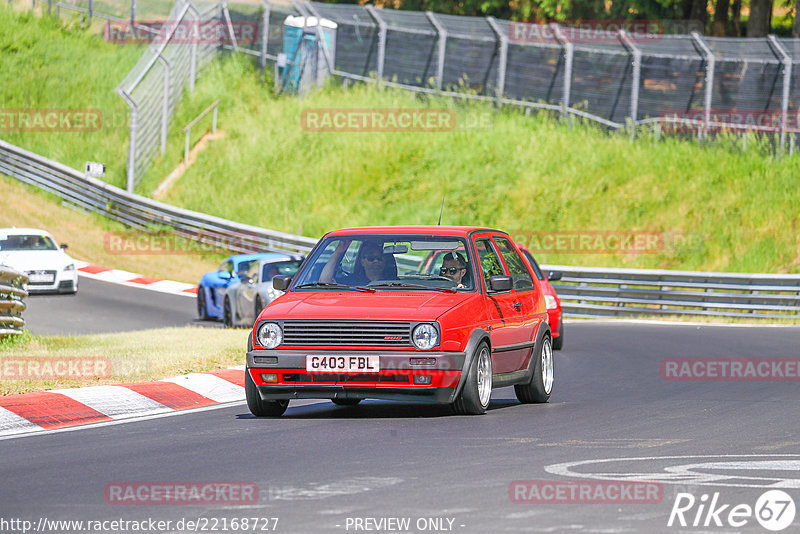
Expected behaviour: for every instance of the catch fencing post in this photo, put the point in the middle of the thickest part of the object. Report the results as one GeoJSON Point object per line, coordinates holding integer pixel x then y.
{"type": "Point", "coordinates": [131, 178]}
{"type": "Point", "coordinates": [264, 34]}
{"type": "Point", "coordinates": [165, 103]}
{"type": "Point", "coordinates": [442, 40]}
{"type": "Point", "coordinates": [569, 52]}
{"type": "Point", "coordinates": [787, 85]}
{"type": "Point", "coordinates": [636, 56]}
{"type": "Point", "coordinates": [229, 24]}
{"type": "Point", "coordinates": [709, 81]}
{"type": "Point", "coordinates": [502, 40]}
{"type": "Point", "coordinates": [193, 62]}
{"type": "Point", "coordinates": [133, 15]}
{"type": "Point", "coordinates": [382, 28]}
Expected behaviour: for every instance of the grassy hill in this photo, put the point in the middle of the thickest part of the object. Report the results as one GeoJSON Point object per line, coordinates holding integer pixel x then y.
{"type": "Point", "coordinates": [714, 207]}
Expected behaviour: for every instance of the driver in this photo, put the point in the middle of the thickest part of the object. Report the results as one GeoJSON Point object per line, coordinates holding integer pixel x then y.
{"type": "Point", "coordinates": [371, 264]}
{"type": "Point", "coordinates": [454, 267]}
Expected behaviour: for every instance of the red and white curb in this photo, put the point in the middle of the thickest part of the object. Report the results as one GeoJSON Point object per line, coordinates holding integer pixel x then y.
{"type": "Point", "coordinates": [117, 276]}
{"type": "Point", "coordinates": [61, 408]}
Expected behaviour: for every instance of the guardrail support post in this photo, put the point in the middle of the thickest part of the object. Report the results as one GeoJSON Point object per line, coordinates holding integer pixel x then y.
{"type": "Point", "coordinates": [441, 37]}
{"type": "Point", "coordinates": [787, 85]}
{"type": "Point", "coordinates": [502, 40]}
{"type": "Point", "coordinates": [709, 80]}
{"type": "Point", "coordinates": [382, 29]}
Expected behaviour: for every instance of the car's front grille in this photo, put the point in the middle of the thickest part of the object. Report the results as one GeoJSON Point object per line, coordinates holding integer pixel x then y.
{"type": "Point", "coordinates": [347, 333]}
{"type": "Point", "coordinates": [341, 378]}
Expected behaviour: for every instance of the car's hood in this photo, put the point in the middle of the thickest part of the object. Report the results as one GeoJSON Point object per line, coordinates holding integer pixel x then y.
{"type": "Point", "coordinates": [354, 305]}
{"type": "Point", "coordinates": [35, 260]}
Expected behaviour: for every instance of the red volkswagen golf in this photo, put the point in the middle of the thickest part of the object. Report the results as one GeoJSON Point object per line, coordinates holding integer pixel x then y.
{"type": "Point", "coordinates": [434, 313]}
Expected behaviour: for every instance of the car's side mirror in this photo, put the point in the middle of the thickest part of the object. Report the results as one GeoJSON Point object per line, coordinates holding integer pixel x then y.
{"type": "Point", "coordinates": [500, 283]}
{"type": "Point", "coordinates": [225, 275]}
{"type": "Point", "coordinates": [64, 246]}
{"type": "Point", "coordinates": [552, 276]}
{"type": "Point", "coordinates": [281, 282]}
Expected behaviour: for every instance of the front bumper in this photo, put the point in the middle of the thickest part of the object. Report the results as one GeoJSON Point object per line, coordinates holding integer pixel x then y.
{"type": "Point", "coordinates": [63, 282]}
{"type": "Point", "coordinates": [396, 379]}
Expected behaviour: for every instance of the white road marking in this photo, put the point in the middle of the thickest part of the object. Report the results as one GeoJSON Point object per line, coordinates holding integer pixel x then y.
{"type": "Point", "coordinates": [117, 402]}
{"type": "Point", "coordinates": [210, 386]}
{"type": "Point", "coordinates": [11, 423]}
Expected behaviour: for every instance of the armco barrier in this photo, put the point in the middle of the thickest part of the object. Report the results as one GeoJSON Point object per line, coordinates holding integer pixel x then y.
{"type": "Point", "coordinates": [597, 292]}
{"type": "Point", "coordinates": [584, 292]}
{"type": "Point", "coordinates": [140, 212]}
{"type": "Point", "coordinates": [12, 295]}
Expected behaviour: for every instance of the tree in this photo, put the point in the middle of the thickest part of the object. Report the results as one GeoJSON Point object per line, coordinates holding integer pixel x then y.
{"type": "Point", "coordinates": [758, 25]}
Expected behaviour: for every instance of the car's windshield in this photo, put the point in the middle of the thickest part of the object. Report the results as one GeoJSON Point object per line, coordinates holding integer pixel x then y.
{"type": "Point", "coordinates": [288, 268]}
{"type": "Point", "coordinates": [26, 242]}
{"type": "Point", "coordinates": [390, 262]}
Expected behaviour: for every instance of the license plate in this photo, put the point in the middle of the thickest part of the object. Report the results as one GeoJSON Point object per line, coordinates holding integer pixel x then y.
{"type": "Point", "coordinates": [343, 364]}
{"type": "Point", "coordinates": [41, 278]}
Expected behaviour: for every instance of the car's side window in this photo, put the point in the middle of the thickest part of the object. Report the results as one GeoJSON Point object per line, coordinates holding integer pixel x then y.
{"type": "Point", "coordinates": [536, 270]}
{"type": "Point", "coordinates": [252, 272]}
{"type": "Point", "coordinates": [490, 263]}
{"type": "Point", "coordinates": [516, 266]}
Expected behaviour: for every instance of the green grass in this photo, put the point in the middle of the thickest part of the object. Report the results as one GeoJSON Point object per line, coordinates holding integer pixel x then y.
{"type": "Point", "coordinates": [51, 64]}
{"type": "Point", "coordinates": [717, 208]}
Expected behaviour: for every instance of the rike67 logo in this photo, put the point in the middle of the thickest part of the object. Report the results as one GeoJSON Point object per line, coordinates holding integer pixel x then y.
{"type": "Point", "coordinates": [774, 510]}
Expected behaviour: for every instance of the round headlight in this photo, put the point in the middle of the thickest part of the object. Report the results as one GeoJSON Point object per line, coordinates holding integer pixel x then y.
{"type": "Point", "coordinates": [425, 336]}
{"type": "Point", "coordinates": [269, 335]}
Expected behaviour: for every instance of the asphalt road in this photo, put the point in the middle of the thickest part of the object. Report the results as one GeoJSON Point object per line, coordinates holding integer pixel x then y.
{"type": "Point", "coordinates": [101, 307]}
{"type": "Point", "coordinates": [322, 468]}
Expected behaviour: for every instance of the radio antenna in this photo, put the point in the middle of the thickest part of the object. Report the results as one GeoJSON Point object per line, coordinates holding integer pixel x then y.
{"type": "Point", "coordinates": [440, 211]}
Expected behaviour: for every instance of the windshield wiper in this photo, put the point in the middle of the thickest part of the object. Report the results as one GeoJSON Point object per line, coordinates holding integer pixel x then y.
{"type": "Point", "coordinates": [333, 285]}
{"type": "Point", "coordinates": [415, 286]}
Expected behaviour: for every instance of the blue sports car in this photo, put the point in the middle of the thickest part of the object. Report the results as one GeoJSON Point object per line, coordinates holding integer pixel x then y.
{"type": "Point", "coordinates": [213, 285]}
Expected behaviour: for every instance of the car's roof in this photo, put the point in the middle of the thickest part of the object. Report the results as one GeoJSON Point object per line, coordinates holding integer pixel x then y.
{"type": "Point", "coordinates": [422, 230]}
{"type": "Point", "coordinates": [256, 256]}
{"type": "Point", "coordinates": [23, 231]}
{"type": "Point", "coordinates": [280, 257]}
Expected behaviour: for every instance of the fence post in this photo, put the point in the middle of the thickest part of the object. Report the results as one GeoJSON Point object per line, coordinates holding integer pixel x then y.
{"type": "Point", "coordinates": [131, 173]}
{"type": "Point", "coordinates": [382, 29]}
{"type": "Point", "coordinates": [326, 51]}
{"type": "Point", "coordinates": [165, 103]}
{"type": "Point", "coordinates": [133, 14]}
{"type": "Point", "coordinates": [193, 62]}
{"type": "Point", "coordinates": [91, 10]}
{"type": "Point", "coordinates": [264, 34]}
{"type": "Point", "coordinates": [787, 85]}
{"type": "Point", "coordinates": [442, 40]}
{"type": "Point", "coordinates": [503, 61]}
{"type": "Point", "coordinates": [636, 76]}
{"type": "Point", "coordinates": [709, 81]}
{"type": "Point", "coordinates": [569, 52]}
{"type": "Point", "coordinates": [227, 15]}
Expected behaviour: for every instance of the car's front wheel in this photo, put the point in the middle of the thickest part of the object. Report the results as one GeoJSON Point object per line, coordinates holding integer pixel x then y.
{"type": "Point", "coordinates": [202, 310]}
{"type": "Point", "coordinates": [227, 314]}
{"type": "Point", "coordinates": [477, 391]}
{"type": "Point", "coordinates": [541, 384]}
{"type": "Point", "coordinates": [258, 406]}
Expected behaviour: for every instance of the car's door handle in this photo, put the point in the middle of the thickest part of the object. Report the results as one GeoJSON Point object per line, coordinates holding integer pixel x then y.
{"type": "Point", "coordinates": [517, 305]}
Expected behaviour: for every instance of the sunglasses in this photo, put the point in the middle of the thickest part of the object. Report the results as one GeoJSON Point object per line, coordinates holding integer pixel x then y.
{"type": "Point", "coordinates": [451, 270]}
{"type": "Point", "coordinates": [373, 258]}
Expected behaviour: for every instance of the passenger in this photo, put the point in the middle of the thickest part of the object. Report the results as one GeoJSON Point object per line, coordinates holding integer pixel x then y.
{"type": "Point", "coordinates": [454, 267]}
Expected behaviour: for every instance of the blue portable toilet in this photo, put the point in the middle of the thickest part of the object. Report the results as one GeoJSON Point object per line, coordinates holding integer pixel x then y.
{"type": "Point", "coordinates": [308, 63]}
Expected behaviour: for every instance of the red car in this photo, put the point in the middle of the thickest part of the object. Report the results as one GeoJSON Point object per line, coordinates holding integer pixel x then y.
{"type": "Point", "coordinates": [551, 299]}
{"type": "Point", "coordinates": [433, 313]}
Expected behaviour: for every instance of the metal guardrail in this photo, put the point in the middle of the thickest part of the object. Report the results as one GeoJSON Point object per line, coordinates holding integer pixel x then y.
{"type": "Point", "coordinates": [141, 212]}
{"type": "Point", "coordinates": [584, 291]}
{"type": "Point", "coordinates": [598, 292]}
{"type": "Point", "coordinates": [12, 295]}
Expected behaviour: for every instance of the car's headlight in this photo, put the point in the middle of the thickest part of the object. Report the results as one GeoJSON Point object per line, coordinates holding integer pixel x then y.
{"type": "Point", "coordinates": [269, 335]}
{"type": "Point", "coordinates": [70, 267]}
{"type": "Point", "coordinates": [551, 302]}
{"type": "Point", "coordinates": [425, 336]}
